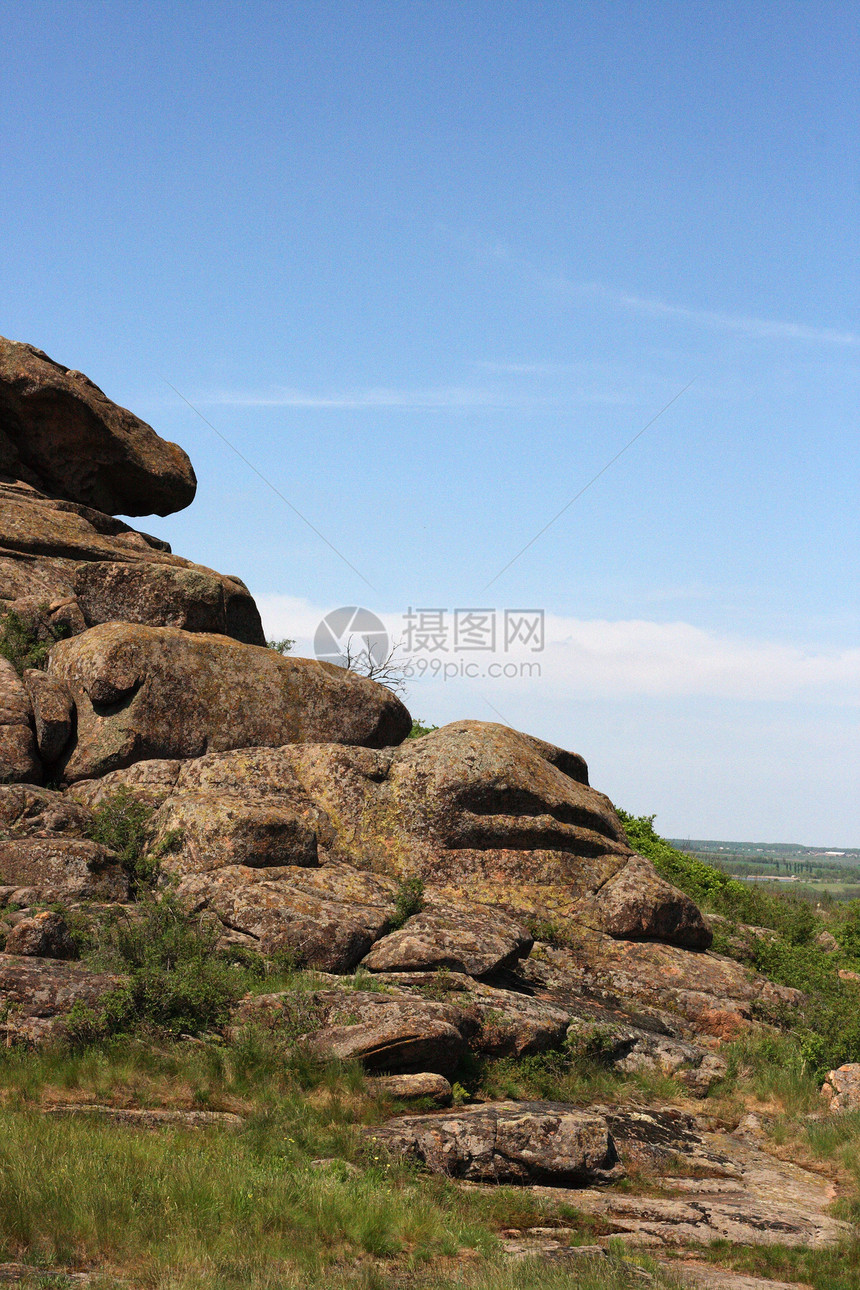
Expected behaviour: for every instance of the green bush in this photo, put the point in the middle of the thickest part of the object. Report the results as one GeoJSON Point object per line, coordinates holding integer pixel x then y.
{"type": "Point", "coordinates": [281, 647]}
{"type": "Point", "coordinates": [178, 981]}
{"type": "Point", "coordinates": [22, 642]}
{"type": "Point", "coordinates": [408, 900]}
{"type": "Point", "coordinates": [122, 823]}
{"type": "Point", "coordinates": [716, 891]}
{"type": "Point", "coordinates": [419, 729]}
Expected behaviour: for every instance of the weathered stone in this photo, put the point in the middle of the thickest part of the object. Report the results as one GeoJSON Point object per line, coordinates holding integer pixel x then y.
{"type": "Point", "coordinates": [151, 782]}
{"type": "Point", "coordinates": [29, 811]}
{"type": "Point", "coordinates": [496, 1022]}
{"type": "Point", "coordinates": [455, 813]}
{"type": "Point", "coordinates": [159, 692]}
{"type": "Point", "coordinates": [45, 935]}
{"type": "Point", "coordinates": [286, 911]}
{"type": "Point", "coordinates": [710, 994]}
{"type": "Point", "coordinates": [508, 1142]}
{"type": "Point", "coordinates": [48, 546]}
{"type": "Point", "coordinates": [399, 1038]}
{"type": "Point", "coordinates": [740, 1194]}
{"type": "Point", "coordinates": [636, 904]}
{"type": "Point", "coordinates": [413, 1088]}
{"type": "Point", "coordinates": [841, 1089]}
{"type": "Point", "coordinates": [61, 434]}
{"type": "Point", "coordinates": [700, 1079]}
{"type": "Point", "coordinates": [617, 1042]}
{"type": "Point", "coordinates": [53, 711]}
{"type": "Point", "coordinates": [62, 868]}
{"type": "Point", "coordinates": [164, 595]}
{"type": "Point", "coordinates": [387, 1031]}
{"type": "Point", "coordinates": [19, 761]}
{"type": "Point", "coordinates": [36, 995]}
{"type": "Point", "coordinates": [473, 941]}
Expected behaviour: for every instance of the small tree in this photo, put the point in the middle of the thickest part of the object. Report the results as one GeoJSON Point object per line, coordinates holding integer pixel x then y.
{"type": "Point", "coordinates": [281, 647]}
{"type": "Point", "coordinates": [366, 660]}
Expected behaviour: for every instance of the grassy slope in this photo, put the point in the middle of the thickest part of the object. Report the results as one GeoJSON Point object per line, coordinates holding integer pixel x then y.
{"type": "Point", "coordinates": [215, 1208]}
{"type": "Point", "coordinates": [827, 1030]}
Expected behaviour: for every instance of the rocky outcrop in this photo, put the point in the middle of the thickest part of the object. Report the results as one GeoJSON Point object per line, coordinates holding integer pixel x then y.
{"type": "Point", "coordinates": [66, 567]}
{"type": "Point", "coordinates": [29, 811]}
{"type": "Point", "coordinates": [61, 434]}
{"type": "Point", "coordinates": [160, 692]}
{"type": "Point", "coordinates": [841, 1089]}
{"type": "Point", "coordinates": [60, 869]}
{"type": "Point", "coordinates": [741, 1194]}
{"type": "Point", "coordinates": [389, 1032]}
{"type": "Point", "coordinates": [325, 918]}
{"type": "Point", "coordinates": [508, 1142]}
{"type": "Point", "coordinates": [450, 936]}
{"type": "Point", "coordinates": [19, 762]}
{"type": "Point", "coordinates": [473, 806]}
{"type": "Point", "coordinates": [707, 993]}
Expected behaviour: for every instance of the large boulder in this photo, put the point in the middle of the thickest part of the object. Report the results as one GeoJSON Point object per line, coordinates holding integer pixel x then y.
{"type": "Point", "coordinates": [160, 692]}
{"type": "Point", "coordinates": [508, 1142]}
{"type": "Point", "coordinates": [36, 995]}
{"type": "Point", "coordinates": [19, 761]}
{"type": "Point", "coordinates": [60, 433]}
{"type": "Point", "coordinates": [65, 567]}
{"type": "Point", "coordinates": [468, 940]}
{"type": "Point", "coordinates": [472, 808]}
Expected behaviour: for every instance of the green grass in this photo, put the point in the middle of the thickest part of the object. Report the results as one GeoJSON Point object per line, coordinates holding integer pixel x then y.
{"type": "Point", "coordinates": [833, 1268]}
{"type": "Point", "coordinates": [827, 1028]}
{"type": "Point", "coordinates": [216, 1207]}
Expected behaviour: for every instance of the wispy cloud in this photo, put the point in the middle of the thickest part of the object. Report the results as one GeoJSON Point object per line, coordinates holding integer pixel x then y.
{"type": "Point", "coordinates": [630, 659]}
{"type": "Point", "coordinates": [555, 280]}
{"type": "Point", "coordinates": [759, 328]}
{"type": "Point", "coordinates": [349, 400]}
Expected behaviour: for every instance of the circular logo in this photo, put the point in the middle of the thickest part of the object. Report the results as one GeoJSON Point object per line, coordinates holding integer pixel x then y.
{"type": "Point", "coordinates": [349, 633]}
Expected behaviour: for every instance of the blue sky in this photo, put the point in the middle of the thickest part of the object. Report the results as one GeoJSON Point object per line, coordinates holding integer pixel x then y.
{"type": "Point", "coordinates": [430, 267]}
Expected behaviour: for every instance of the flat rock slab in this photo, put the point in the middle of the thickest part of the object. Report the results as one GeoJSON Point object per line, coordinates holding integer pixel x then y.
{"type": "Point", "coordinates": [12, 1272]}
{"type": "Point", "coordinates": [156, 1118]}
{"type": "Point", "coordinates": [508, 1142]}
{"type": "Point", "coordinates": [758, 1200]}
{"type": "Point", "coordinates": [706, 1277]}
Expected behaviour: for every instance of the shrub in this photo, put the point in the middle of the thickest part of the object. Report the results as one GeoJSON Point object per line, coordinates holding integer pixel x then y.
{"type": "Point", "coordinates": [122, 823]}
{"type": "Point", "coordinates": [281, 647]}
{"type": "Point", "coordinates": [178, 981]}
{"type": "Point", "coordinates": [408, 900]}
{"type": "Point", "coordinates": [26, 642]}
{"type": "Point", "coordinates": [419, 729]}
{"type": "Point", "coordinates": [792, 917]}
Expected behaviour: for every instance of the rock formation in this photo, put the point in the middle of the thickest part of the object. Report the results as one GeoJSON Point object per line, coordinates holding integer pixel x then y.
{"type": "Point", "coordinates": [286, 800]}
{"type": "Point", "coordinates": [59, 433]}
